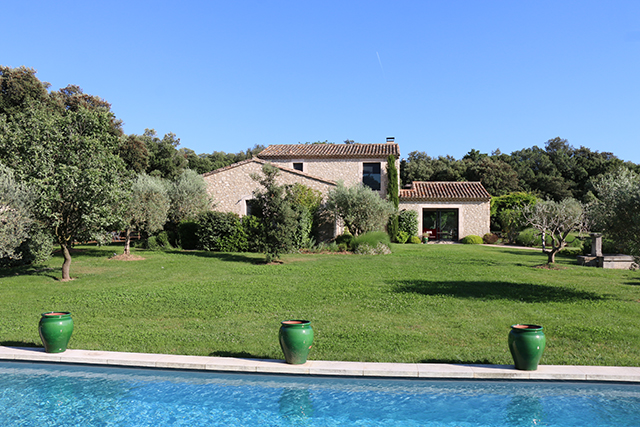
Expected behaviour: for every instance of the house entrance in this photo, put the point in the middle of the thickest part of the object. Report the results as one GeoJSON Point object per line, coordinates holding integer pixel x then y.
{"type": "Point", "coordinates": [440, 224]}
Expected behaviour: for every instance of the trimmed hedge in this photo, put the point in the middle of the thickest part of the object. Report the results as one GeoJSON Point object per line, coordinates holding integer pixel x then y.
{"type": "Point", "coordinates": [472, 239]}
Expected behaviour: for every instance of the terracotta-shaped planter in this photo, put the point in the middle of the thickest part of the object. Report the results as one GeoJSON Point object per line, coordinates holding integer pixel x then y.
{"type": "Point", "coordinates": [526, 343]}
{"type": "Point", "coordinates": [296, 339]}
{"type": "Point", "coordinates": [55, 330]}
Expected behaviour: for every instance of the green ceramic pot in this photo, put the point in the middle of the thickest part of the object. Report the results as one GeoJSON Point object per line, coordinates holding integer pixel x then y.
{"type": "Point", "coordinates": [55, 330]}
{"type": "Point", "coordinates": [296, 339]}
{"type": "Point", "coordinates": [526, 343]}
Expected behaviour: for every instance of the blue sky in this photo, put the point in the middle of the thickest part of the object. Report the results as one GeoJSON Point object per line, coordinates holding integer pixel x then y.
{"type": "Point", "coordinates": [441, 77]}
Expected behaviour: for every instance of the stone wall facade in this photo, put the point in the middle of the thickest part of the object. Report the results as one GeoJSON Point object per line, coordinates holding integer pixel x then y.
{"type": "Point", "coordinates": [473, 216]}
{"type": "Point", "coordinates": [349, 171]}
{"type": "Point", "coordinates": [232, 186]}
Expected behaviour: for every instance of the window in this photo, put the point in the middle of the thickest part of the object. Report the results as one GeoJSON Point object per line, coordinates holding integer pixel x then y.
{"type": "Point", "coordinates": [440, 224]}
{"type": "Point", "coordinates": [371, 176]}
{"type": "Point", "coordinates": [297, 166]}
{"type": "Point", "coordinates": [250, 207]}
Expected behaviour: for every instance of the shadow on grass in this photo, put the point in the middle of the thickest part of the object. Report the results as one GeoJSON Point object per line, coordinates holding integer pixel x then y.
{"type": "Point", "coordinates": [239, 355]}
{"type": "Point", "coordinates": [30, 270]}
{"type": "Point", "coordinates": [227, 256]}
{"type": "Point", "coordinates": [496, 291]}
{"type": "Point", "coordinates": [458, 361]}
{"type": "Point", "coordinates": [20, 344]}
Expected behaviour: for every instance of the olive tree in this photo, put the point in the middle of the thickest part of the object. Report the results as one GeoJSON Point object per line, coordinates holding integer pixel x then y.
{"type": "Point", "coordinates": [147, 207]}
{"type": "Point", "coordinates": [360, 208]}
{"type": "Point", "coordinates": [557, 220]}
{"type": "Point", "coordinates": [616, 211]}
{"type": "Point", "coordinates": [189, 197]}
{"type": "Point", "coordinates": [16, 218]}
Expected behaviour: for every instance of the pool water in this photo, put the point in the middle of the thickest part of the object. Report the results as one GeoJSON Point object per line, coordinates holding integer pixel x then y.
{"type": "Point", "coordinates": [64, 395]}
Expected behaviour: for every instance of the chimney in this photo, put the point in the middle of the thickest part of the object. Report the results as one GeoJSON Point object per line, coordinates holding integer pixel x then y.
{"type": "Point", "coordinates": [390, 139]}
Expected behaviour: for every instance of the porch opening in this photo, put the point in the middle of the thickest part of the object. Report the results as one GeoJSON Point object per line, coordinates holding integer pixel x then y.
{"type": "Point", "coordinates": [440, 224]}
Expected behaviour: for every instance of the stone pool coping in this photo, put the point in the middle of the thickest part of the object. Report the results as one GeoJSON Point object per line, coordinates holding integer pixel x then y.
{"type": "Point", "coordinates": [324, 367]}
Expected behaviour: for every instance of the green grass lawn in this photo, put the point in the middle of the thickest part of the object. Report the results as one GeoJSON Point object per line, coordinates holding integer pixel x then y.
{"type": "Point", "coordinates": [423, 303]}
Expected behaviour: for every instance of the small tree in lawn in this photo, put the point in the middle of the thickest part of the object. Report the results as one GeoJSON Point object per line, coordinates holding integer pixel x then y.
{"type": "Point", "coordinates": [275, 211]}
{"type": "Point", "coordinates": [147, 208]}
{"type": "Point", "coordinates": [557, 220]}
{"type": "Point", "coordinates": [16, 218]}
{"type": "Point", "coordinates": [360, 208]}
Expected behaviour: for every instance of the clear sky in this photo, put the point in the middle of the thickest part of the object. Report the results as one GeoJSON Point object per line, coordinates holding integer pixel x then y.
{"type": "Point", "coordinates": [443, 77]}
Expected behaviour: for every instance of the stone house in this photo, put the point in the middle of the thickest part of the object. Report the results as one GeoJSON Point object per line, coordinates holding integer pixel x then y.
{"type": "Point", "coordinates": [446, 211]}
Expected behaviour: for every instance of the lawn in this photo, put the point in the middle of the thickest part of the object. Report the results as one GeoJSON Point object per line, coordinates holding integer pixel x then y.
{"type": "Point", "coordinates": [423, 303]}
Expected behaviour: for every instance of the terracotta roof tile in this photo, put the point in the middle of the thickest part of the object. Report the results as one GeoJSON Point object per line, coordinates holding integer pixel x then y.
{"type": "Point", "coordinates": [464, 191]}
{"type": "Point", "coordinates": [329, 151]}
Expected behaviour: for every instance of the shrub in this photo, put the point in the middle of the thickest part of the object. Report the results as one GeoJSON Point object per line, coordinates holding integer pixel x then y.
{"type": "Point", "coordinates": [163, 240]}
{"type": "Point", "coordinates": [221, 231]}
{"type": "Point", "coordinates": [151, 243]}
{"type": "Point", "coordinates": [252, 227]}
{"type": "Point", "coordinates": [472, 239]}
{"type": "Point", "coordinates": [402, 237]}
{"type": "Point", "coordinates": [188, 234]}
{"type": "Point", "coordinates": [408, 222]}
{"type": "Point", "coordinates": [366, 249]}
{"type": "Point", "coordinates": [361, 208]}
{"type": "Point", "coordinates": [346, 239]}
{"type": "Point", "coordinates": [571, 251]}
{"type": "Point", "coordinates": [372, 239]}
{"type": "Point", "coordinates": [490, 238]}
{"type": "Point", "coordinates": [415, 240]}
{"type": "Point", "coordinates": [531, 237]}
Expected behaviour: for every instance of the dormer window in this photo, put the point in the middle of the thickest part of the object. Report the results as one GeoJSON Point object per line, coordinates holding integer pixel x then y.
{"type": "Point", "coordinates": [297, 166]}
{"type": "Point", "coordinates": [371, 176]}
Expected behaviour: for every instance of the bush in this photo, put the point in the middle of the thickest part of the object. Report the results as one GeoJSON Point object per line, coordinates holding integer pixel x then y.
{"type": "Point", "coordinates": [221, 231]}
{"type": "Point", "coordinates": [531, 237]}
{"type": "Point", "coordinates": [402, 237]}
{"type": "Point", "coordinates": [571, 251]}
{"type": "Point", "coordinates": [163, 240]}
{"type": "Point", "coordinates": [415, 240]}
{"type": "Point", "coordinates": [366, 249]}
{"type": "Point", "coordinates": [345, 239]}
{"type": "Point", "coordinates": [372, 239]}
{"type": "Point", "coordinates": [252, 227]}
{"type": "Point", "coordinates": [188, 234]}
{"type": "Point", "coordinates": [472, 239]}
{"type": "Point", "coordinates": [151, 243]}
{"type": "Point", "coordinates": [408, 222]}
{"type": "Point", "coordinates": [490, 238]}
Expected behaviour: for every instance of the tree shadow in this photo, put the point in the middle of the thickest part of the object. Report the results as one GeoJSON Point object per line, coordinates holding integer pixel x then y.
{"type": "Point", "coordinates": [634, 281]}
{"type": "Point", "coordinates": [524, 292]}
{"type": "Point", "coordinates": [226, 256]}
{"type": "Point", "coordinates": [29, 270]}
{"type": "Point", "coordinates": [239, 355]}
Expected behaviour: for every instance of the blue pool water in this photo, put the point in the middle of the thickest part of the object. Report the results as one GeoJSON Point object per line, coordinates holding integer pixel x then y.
{"type": "Point", "coordinates": [62, 395]}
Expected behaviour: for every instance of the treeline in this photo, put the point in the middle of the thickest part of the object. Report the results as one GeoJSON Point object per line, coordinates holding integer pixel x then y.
{"type": "Point", "coordinates": [162, 158]}
{"type": "Point", "coordinates": [557, 171]}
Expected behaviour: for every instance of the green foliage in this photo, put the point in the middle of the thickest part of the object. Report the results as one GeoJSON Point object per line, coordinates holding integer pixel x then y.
{"type": "Point", "coordinates": [415, 240]}
{"type": "Point", "coordinates": [393, 196]}
{"type": "Point", "coordinates": [188, 234]}
{"type": "Point", "coordinates": [221, 231]}
{"type": "Point", "coordinates": [472, 239]}
{"type": "Point", "coordinates": [371, 239]}
{"type": "Point", "coordinates": [345, 239]}
{"type": "Point", "coordinates": [253, 229]}
{"type": "Point", "coordinates": [531, 237]}
{"type": "Point", "coordinates": [616, 211]}
{"type": "Point", "coordinates": [151, 243]}
{"type": "Point", "coordinates": [164, 160]}
{"type": "Point", "coordinates": [188, 195]}
{"type": "Point", "coordinates": [279, 219]}
{"type": "Point", "coordinates": [163, 240]}
{"type": "Point", "coordinates": [360, 208]}
{"type": "Point", "coordinates": [408, 222]}
{"type": "Point", "coordinates": [556, 219]}
{"type": "Point", "coordinates": [402, 237]}
{"type": "Point", "coordinates": [16, 219]}
{"type": "Point", "coordinates": [490, 238]}
{"type": "Point", "coordinates": [305, 203]}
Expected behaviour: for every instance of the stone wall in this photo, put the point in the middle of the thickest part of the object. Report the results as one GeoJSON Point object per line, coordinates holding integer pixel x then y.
{"type": "Point", "coordinates": [349, 171]}
{"type": "Point", "coordinates": [473, 217]}
{"type": "Point", "coordinates": [231, 187]}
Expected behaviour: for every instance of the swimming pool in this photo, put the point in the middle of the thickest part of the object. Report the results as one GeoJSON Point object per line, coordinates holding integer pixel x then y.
{"type": "Point", "coordinates": [67, 395]}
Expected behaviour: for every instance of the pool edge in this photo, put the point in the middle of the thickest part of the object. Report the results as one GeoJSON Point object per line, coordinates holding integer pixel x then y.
{"type": "Point", "coordinates": [324, 367]}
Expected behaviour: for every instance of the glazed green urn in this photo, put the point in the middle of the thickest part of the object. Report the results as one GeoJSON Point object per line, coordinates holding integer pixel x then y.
{"type": "Point", "coordinates": [296, 339]}
{"type": "Point", "coordinates": [55, 330]}
{"type": "Point", "coordinates": [526, 343]}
